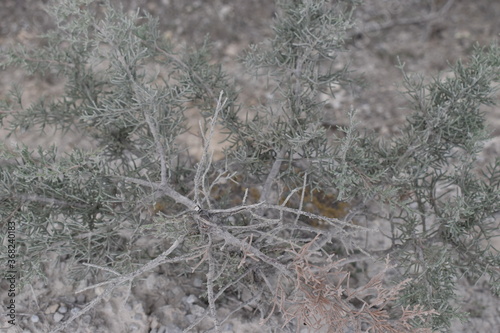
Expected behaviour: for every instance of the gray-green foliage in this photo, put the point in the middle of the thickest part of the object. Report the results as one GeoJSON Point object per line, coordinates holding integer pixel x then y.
{"type": "Point", "coordinates": [450, 231]}
{"type": "Point", "coordinates": [80, 204]}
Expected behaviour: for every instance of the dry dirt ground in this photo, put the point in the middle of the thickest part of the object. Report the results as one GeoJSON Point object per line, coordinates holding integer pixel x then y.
{"type": "Point", "coordinates": [424, 34]}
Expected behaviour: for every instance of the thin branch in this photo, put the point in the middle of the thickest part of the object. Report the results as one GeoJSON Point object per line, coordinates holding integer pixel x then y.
{"type": "Point", "coordinates": [107, 269]}
{"type": "Point", "coordinates": [50, 61]}
{"type": "Point", "coordinates": [206, 157]}
{"type": "Point", "coordinates": [167, 190]}
{"type": "Point", "coordinates": [331, 221]}
{"type": "Point", "coordinates": [196, 321]}
{"type": "Point", "coordinates": [301, 203]}
{"type": "Point", "coordinates": [271, 177]}
{"type": "Point", "coordinates": [235, 210]}
{"type": "Point", "coordinates": [159, 147]}
{"type": "Point", "coordinates": [210, 286]}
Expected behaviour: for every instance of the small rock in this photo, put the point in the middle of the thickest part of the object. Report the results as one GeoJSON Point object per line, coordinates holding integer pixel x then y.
{"type": "Point", "coordinates": [177, 291]}
{"type": "Point", "coordinates": [80, 299]}
{"type": "Point", "coordinates": [52, 309]}
{"type": "Point", "coordinates": [191, 299]}
{"type": "Point", "coordinates": [58, 317]}
{"type": "Point", "coordinates": [170, 328]}
{"type": "Point", "coordinates": [34, 318]}
{"type": "Point", "coordinates": [197, 310]}
{"type": "Point", "coordinates": [62, 309]}
{"type": "Point", "coordinates": [232, 50]}
{"type": "Point", "coordinates": [154, 323]}
{"type": "Point", "coordinates": [224, 12]}
{"type": "Point", "coordinates": [75, 310]}
{"type": "Point", "coordinates": [197, 282]}
{"type": "Point", "coordinates": [228, 327]}
{"type": "Point", "coordinates": [191, 318]}
{"type": "Point", "coordinates": [70, 299]}
{"type": "Point", "coordinates": [117, 293]}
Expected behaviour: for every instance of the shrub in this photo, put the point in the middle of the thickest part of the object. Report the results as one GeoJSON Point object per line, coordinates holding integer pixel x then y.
{"type": "Point", "coordinates": [282, 214]}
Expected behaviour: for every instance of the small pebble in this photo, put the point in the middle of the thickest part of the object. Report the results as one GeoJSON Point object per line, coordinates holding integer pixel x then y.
{"type": "Point", "coordinates": [197, 282]}
{"type": "Point", "coordinates": [34, 318]}
{"type": "Point", "coordinates": [62, 309]}
{"type": "Point", "coordinates": [191, 299]}
{"type": "Point", "coordinates": [191, 318]}
{"type": "Point", "coordinates": [177, 291]}
{"type": "Point", "coordinates": [51, 309]}
{"type": "Point", "coordinates": [75, 310]}
{"type": "Point", "coordinates": [58, 317]}
{"type": "Point", "coordinates": [80, 299]}
{"type": "Point", "coordinates": [228, 327]}
{"type": "Point", "coordinates": [197, 310]}
{"type": "Point", "coordinates": [170, 328]}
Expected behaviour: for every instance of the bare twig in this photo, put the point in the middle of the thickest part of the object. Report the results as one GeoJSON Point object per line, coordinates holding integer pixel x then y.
{"type": "Point", "coordinates": [107, 269]}
{"type": "Point", "coordinates": [235, 210]}
{"type": "Point", "coordinates": [271, 177]}
{"type": "Point", "coordinates": [210, 286]}
{"type": "Point", "coordinates": [167, 190]}
{"type": "Point", "coordinates": [329, 220]}
{"type": "Point", "coordinates": [159, 146]}
{"type": "Point", "coordinates": [206, 158]}
{"type": "Point", "coordinates": [301, 202]}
